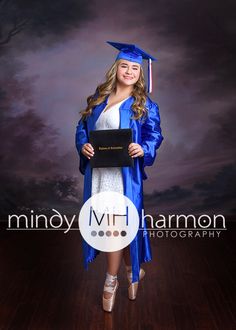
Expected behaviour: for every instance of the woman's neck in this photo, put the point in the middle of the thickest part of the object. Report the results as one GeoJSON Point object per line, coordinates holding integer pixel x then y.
{"type": "Point", "coordinates": [122, 92]}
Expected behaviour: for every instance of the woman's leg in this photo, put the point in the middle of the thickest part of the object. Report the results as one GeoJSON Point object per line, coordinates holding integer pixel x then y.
{"type": "Point", "coordinates": [113, 261]}
{"type": "Point", "coordinates": [113, 265]}
{"type": "Point", "coordinates": [126, 256]}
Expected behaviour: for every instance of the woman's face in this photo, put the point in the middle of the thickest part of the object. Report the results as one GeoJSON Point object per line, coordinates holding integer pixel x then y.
{"type": "Point", "coordinates": [128, 72]}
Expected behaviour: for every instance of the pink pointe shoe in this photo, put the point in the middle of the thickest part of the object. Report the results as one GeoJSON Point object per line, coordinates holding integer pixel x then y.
{"type": "Point", "coordinates": [110, 286]}
{"type": "Point", "coordinates": [133, 287]}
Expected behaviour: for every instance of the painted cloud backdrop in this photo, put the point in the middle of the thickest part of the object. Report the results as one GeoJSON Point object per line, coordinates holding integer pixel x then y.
{"type": "Point", "coordinates": [53, 55]}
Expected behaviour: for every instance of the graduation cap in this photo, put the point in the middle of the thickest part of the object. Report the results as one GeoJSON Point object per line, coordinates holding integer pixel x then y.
{"type": "Point", "coordinates": [133, 53]}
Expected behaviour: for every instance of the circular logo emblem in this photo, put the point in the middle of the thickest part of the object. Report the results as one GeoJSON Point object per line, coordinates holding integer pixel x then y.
{"type": "Point", "coordinates": [108, 221]}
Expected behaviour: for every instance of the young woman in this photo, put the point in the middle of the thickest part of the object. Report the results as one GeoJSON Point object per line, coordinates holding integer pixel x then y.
{"type": "Point", "coordinates": [121, 102]}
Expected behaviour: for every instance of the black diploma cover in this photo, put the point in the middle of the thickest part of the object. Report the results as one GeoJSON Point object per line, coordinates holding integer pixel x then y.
{"type": "Point", "coordinates": [111, 147]}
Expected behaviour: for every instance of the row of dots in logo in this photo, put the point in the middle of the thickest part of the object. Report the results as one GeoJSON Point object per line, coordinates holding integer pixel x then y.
{"type": "Point", "coordinates": [108, 233]}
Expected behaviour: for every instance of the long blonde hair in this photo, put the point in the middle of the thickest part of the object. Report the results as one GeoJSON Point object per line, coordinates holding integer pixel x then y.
{"type": "Point", "coordinates": [103, 90]}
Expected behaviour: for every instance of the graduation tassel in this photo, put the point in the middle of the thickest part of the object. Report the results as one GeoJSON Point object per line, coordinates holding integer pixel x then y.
{"type": "Point", "coordinates": [149, 75]}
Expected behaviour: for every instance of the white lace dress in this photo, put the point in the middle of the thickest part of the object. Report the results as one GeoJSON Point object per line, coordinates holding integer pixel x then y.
{"type": "Point", "coordinates": [108, 178]}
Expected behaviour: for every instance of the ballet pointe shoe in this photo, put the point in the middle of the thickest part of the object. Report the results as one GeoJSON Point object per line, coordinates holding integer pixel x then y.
{"type": "Point", "coordinates": [110, 287]}
{"type": "Point", "coordinates": [133, 287]}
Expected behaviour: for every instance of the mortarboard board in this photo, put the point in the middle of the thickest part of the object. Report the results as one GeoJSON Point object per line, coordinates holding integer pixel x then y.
{"type": "Point", "coordinates": [133, 53]}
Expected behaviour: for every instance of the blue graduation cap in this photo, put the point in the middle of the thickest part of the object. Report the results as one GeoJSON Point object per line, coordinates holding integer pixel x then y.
{"type": "Point", "coordinates": [133, 53]}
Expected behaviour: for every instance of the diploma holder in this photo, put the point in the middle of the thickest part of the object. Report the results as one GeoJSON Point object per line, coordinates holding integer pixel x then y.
{"type": "Point", "coordinates": [111, 147]}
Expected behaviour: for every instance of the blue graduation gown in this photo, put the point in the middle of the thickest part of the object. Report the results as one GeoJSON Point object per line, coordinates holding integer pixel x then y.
{"type": "Point", "coordinates": [146, 133]}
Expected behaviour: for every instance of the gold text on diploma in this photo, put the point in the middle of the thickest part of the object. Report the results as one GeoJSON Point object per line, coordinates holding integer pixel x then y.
{"type": "Point", "coordinates": [109, 148]}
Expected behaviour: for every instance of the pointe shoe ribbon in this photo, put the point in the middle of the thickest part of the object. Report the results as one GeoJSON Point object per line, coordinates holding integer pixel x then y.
{"type": "Point", "coordinates": [133, 287]}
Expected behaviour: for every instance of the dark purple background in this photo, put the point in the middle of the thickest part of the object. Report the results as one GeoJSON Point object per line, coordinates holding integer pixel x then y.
{"type": "Point", "coordinates": [53, 55]}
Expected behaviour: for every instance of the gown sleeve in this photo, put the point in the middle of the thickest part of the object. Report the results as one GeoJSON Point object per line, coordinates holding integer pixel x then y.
{"type": "Point", "coordinates": [151, 137]}
{"type": "Point", "coordinates": [81, 137]}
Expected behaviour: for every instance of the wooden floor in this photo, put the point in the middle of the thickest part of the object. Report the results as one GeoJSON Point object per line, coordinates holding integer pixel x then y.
{"type": "Point", "coordinates": [190, 284]}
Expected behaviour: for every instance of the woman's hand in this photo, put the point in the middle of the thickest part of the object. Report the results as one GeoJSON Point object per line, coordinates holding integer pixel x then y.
{"type": "Point", "coordinates": [135, 150]}
{"type": "Point", "coordinates": [87, 150]}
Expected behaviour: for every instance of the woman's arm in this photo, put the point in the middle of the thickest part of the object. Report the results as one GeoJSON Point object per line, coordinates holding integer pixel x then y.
{"type": "Point", "coordinates": [151, 136]}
